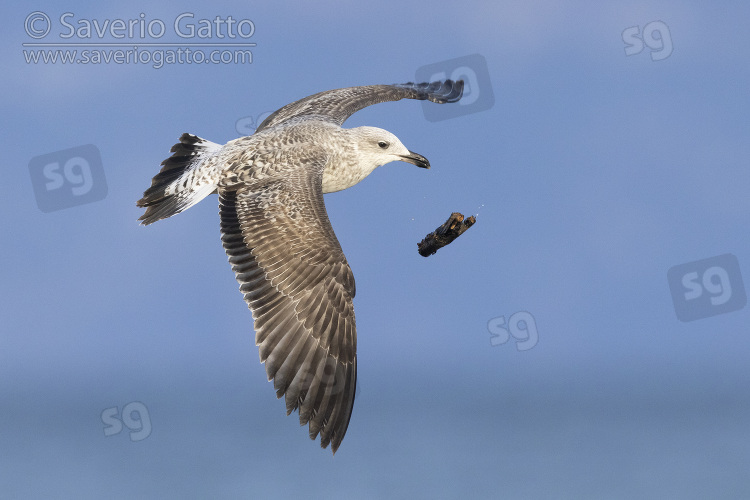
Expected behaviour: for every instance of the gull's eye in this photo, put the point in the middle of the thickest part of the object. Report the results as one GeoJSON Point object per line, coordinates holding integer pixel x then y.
{"type": "Point", "coordinates": [383, 144]}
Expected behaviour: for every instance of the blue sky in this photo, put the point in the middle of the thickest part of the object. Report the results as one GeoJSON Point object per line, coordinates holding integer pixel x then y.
{"type": "Point", "coordinates": [593, 174]}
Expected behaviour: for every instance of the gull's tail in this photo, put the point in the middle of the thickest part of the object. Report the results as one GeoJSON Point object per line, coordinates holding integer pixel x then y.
{"type": "Point", "coordinates": [188, 176]}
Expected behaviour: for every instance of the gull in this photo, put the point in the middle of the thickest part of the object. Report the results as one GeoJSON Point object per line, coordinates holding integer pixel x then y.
{"type": "Point", "coordinates": [279, 240]}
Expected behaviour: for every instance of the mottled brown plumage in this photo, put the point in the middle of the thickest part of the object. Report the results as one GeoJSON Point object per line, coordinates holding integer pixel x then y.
{"type": "Point", "coordinates": [279, 240]}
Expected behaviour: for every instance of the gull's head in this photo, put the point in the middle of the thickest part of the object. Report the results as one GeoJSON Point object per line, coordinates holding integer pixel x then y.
{"type": "Point", "coordinates": [377, 147]}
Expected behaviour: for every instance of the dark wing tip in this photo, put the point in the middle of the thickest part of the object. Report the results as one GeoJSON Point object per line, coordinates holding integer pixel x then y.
{"type": "Point", "coordinates": [441, 92]}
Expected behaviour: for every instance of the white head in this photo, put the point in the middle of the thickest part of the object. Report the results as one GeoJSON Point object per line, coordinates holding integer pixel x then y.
{"type": "Point", "coordinates": [377, 147]}
{"type": "Point", "coordinates": [366, 149]}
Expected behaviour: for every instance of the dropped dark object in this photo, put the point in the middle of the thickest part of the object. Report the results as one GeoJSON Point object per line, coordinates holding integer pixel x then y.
{"type": "Point", "coordinates": [445, 234]}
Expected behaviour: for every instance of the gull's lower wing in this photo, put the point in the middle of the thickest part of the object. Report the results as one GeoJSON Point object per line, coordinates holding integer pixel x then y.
{"type": "Point", "coordinates": [299, 287]}
{"type": "Point", "coordinates": [337, 105]}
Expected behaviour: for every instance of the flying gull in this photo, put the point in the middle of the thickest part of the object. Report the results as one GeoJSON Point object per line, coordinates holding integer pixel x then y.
{"type": "Point", "coordinates": [280, 243]}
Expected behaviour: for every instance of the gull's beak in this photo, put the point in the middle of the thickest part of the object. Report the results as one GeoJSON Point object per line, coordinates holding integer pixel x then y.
{"type": "Point", "coordinates": [416, 159]}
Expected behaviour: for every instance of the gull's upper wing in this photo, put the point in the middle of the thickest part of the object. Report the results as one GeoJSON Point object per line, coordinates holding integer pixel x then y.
{"type": "Point", "coordinates": [299, 287]}
{"type": "Point", "coordinates": [338, 105]}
